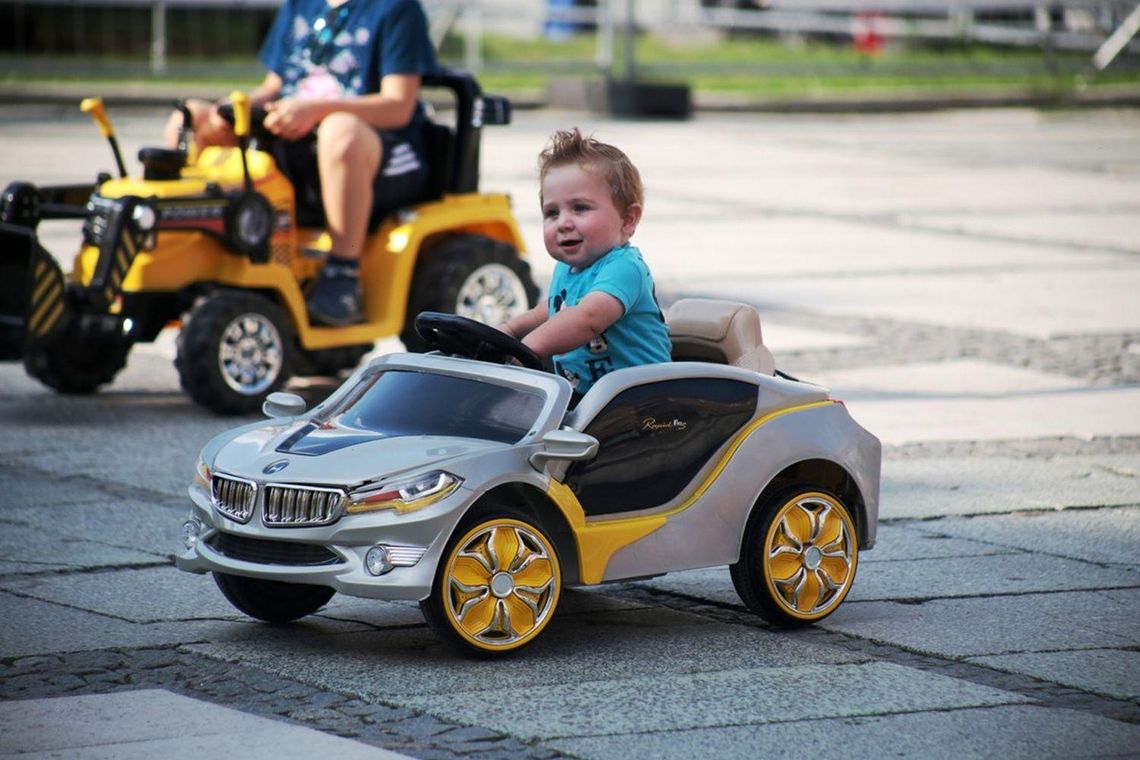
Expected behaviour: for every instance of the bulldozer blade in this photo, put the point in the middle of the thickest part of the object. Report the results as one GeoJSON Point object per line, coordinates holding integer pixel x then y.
{"type": "Point", "coordinates": [33, 304]}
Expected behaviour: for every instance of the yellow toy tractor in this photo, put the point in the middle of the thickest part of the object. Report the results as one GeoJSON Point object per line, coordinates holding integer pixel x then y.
{"type": "Point", "coordinates": [220, 244]}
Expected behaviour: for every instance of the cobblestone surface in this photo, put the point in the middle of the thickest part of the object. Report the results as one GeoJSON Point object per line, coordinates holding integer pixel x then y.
{"type": "Point", "coordinates": [1044, 692]}
{"type": "Point", "coordinates": [1036, 448]}
{"type": "Point", "coordinates": [1102, 360]}
{"type": "Point", "coordinates": [259, 693]}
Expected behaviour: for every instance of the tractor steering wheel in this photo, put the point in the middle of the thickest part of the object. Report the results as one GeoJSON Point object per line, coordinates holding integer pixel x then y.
{"type": "Point", "coordinates": [460, 336]}
{"type": "Point", "coordinates": [256, 120]}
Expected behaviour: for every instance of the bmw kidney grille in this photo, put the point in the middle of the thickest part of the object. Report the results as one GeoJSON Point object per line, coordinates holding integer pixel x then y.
{"type": "Point", "coordinates": [299, 506]}
{"type": "Point", "coordinates": [233, 497]}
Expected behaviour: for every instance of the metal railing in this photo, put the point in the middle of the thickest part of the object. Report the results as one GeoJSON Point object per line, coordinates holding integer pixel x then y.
{"type": "Point", "coordinates": [1106, 27]}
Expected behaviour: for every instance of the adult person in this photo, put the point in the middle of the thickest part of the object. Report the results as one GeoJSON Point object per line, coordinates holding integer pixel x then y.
{"type": "Point", "coordinates": [350, 70]}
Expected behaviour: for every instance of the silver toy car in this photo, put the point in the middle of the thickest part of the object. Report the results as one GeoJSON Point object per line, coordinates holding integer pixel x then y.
{"type": "Point", "coordinates": [467, 484]}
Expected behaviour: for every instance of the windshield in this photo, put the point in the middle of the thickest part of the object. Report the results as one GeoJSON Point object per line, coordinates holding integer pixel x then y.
{"type": "Point", "coordinates": [399, 403]}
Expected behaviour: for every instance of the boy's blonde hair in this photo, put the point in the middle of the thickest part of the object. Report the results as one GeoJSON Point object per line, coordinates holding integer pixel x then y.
{"type": "Point", "coordinates": [572, 147]}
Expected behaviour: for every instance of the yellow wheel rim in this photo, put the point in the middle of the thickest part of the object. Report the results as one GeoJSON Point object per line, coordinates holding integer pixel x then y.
{"type": "Point", "coordinates": [810, 554]}
{"type": "Point", "coordinates": [501, 584]}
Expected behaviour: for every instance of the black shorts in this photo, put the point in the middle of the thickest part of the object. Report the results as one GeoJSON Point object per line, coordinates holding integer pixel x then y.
{"type": "Point", "coordinates": [402, 180]}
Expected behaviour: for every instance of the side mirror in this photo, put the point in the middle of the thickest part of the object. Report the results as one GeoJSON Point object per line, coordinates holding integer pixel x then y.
{"type": "Point", "coordinates": [564, 445]}
{"type": "Point", "coordinates": [283, 405]}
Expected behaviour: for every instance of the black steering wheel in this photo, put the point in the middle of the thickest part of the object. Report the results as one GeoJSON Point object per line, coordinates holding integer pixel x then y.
{"type": "Point", "coordinates": [256, 120]}
{"type": "Point", "coordinates": [460, 336]}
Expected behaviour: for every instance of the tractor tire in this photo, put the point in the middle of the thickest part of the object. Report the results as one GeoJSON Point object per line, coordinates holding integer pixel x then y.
{"type": "Point", "coordinates": [235, 349]}
{"type": "Point", "coordinates": [472, 276]}
{"type": "Point", "coordinates": [90, 352]}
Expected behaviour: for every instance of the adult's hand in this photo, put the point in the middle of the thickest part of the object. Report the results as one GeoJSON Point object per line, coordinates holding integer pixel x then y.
{"type": "Point", "coordinates": [212, 129]}
{"type": "Point", "coordinates": [209, 127]}
{"type": "Point", "coordinates": [292, 118]}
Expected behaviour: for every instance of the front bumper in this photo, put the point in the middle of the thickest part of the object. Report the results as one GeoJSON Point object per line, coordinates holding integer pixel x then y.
{"type": "Point", "coordinates": [331, 555]}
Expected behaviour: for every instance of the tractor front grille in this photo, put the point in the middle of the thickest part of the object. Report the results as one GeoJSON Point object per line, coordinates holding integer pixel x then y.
{"type": "Point", "coordinates": [265, 552]}
{"type": "Point", "coordinates": [233, 497]}
{"type": "Point", "coordinates": [301, 506]}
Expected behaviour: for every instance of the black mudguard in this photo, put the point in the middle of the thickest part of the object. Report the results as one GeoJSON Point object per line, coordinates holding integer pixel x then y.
{"type": "Point", "coordinates": [33, 301]}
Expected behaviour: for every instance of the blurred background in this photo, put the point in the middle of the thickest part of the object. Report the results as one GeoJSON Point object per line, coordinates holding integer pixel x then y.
{"type": "Point", "coordinates": [727, 52]}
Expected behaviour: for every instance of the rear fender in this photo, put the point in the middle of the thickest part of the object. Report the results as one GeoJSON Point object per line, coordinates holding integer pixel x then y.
{"type": "Point", "coordinates": [33, 303]}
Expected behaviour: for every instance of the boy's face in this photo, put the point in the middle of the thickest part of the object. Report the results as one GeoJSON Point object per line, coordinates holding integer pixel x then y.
{"type": "Point", "coordinates": [580, 223]}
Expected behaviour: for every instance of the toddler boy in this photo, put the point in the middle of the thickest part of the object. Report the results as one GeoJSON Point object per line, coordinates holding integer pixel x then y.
{"type": "Point", "coordinates": [601, 313]}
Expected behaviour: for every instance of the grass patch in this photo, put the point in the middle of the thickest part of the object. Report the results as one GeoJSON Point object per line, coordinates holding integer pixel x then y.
{"type": "Point", "coordinates": [752, 66]}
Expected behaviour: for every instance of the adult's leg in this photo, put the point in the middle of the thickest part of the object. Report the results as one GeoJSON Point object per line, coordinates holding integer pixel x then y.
{"type": "Point", "coordinates": [348, 156]}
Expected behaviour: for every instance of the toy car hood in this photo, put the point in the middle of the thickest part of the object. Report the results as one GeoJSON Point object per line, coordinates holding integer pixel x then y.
{"type": "Point", "coordinates": [317, 448]}
{"type": "Point", "coordinates": [300, 452]}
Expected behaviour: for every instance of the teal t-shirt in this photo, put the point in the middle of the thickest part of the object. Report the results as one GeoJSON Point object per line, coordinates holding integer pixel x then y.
{"type": "Point", "coordinates": [639, 336]}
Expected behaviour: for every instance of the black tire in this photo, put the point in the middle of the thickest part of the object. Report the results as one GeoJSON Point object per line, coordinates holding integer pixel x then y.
{"type": "Point", "coordinates": [90, 352]}
{"type": "Point", "coordinates": [208, 369]}
{"type": "Point", "coordinates": [450, 272]}
{"type": "Point", "coordinates": [272, 601]}
{"type": "Point", "coordinates": [332, 361]}
{"type": "Point", "coordinates": [798, 557]}
{"type": "Point", "coordinates": [483, 625]}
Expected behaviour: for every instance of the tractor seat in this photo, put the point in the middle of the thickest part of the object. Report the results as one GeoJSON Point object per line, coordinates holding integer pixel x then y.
{"type": "Point", "coordinates": [721, 332]}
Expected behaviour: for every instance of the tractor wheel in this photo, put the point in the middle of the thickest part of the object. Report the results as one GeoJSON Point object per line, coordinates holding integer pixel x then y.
{"type": "Point", "coordinates": [235, 349]}
{"type": "Point", "coordinates": [472, 276]}
{"type": "Point", "coordinates": [497, 586]}
{"type": "Point", "coordinates": [798, 558]}
{"type": "Point", "coordinates": [272, 601]}
{"type": "Point", "coordinates": [87, 354]}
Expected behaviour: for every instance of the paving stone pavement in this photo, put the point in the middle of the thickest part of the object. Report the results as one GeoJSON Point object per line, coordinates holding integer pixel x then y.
{"type": "Point", "coordinates": [965, 281]}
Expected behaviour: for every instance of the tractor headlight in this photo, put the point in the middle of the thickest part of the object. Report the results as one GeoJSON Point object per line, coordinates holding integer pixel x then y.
{"type": "Point", "coordinates": [404, 495]}
{"type": "Point", "coordinates": [249, 224]}
{"type": "Point", "coordinates": [145, 219]}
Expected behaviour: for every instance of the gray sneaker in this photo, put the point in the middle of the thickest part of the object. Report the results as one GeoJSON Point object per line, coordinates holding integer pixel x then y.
{"type": "Point", "coordinates": [336, 299]}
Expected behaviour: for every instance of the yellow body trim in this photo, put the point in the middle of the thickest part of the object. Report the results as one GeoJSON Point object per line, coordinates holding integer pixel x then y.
{"type": "Point", "coordinates": [598, 540]}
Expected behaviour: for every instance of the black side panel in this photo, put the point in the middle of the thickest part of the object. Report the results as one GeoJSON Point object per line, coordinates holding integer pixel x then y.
{"type": "Point", "coordinates": [465, 167]}
{"type": "Point", "coordinates": [16, 248]}
{"type": "Point", "coordinates": [655, 438]}
{"type": "Point", "coordinates": [32, 298]}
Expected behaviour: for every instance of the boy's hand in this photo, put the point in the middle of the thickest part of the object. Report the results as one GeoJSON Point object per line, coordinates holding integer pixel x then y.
{"type": "Point", "coordinates": [522, 325]}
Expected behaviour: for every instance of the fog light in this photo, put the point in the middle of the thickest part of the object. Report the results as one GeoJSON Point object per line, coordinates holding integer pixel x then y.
{"type": "Point", "coordinates": [377, 561]}
{"type": "Point", "coordinates": [191, 530]}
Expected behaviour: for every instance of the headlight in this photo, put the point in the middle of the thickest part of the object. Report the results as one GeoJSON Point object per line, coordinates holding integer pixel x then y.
{"type": "Point", "coordinates": [404, 495]}
{"type": "Point", "coordinates": [145, 219]}
{"type": "Point", "coordinates": [202, 474]}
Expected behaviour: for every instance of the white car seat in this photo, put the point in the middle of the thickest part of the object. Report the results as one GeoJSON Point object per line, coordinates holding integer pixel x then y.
{"type": "Point", "coordinates": [724, 332]}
